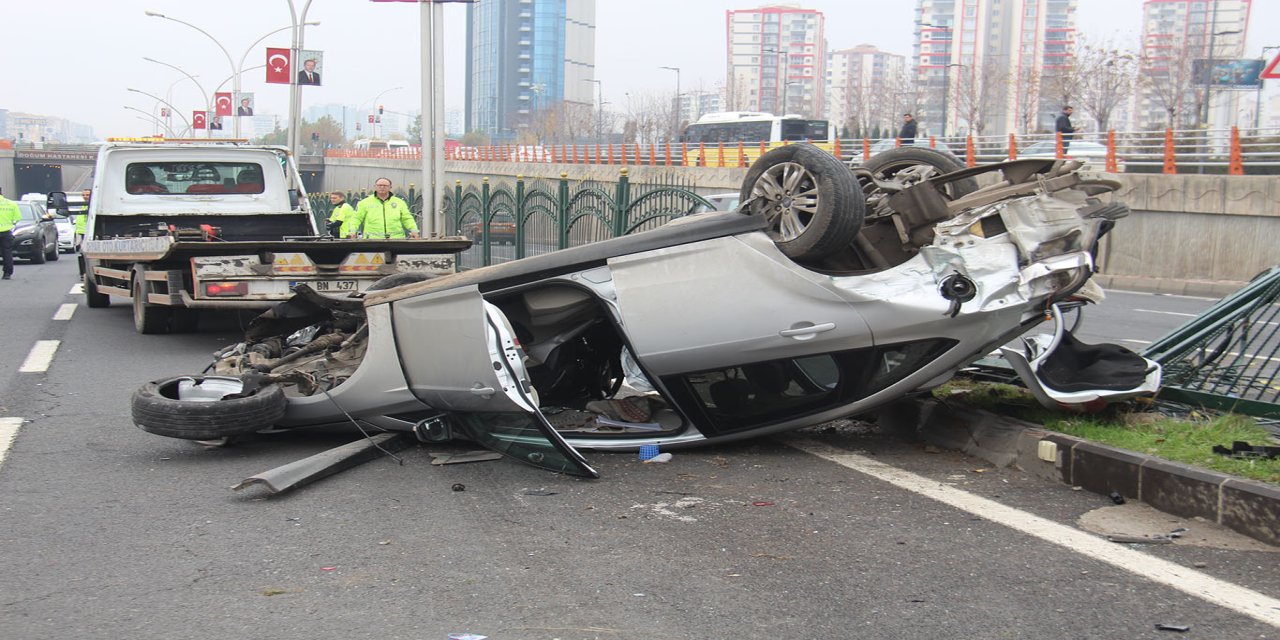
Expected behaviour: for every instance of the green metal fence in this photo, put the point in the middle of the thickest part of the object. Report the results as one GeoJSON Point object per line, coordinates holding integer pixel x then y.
{"type": "Point", "coordinates": [1229, 356]}
{"type": "Point", "coordinates": [547, 214]}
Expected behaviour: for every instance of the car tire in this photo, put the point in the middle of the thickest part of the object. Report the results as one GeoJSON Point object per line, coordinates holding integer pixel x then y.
{"type": "Point", "coordinates": [811, 230]}
{"type": "Point", "coordinates": [37, 255]}
{"type": "Point", "coordinates": [148, 318]}
{"type": "Point", "coordinates": [52, 254]}
{"type": "Point", "coordinates": [397, 279]}
{"type": "Point", "coordinates": [886, 164]}
{"type": "Point", "coordinates": [157, 409]}
{"type": "Point", "coordinates": [92, 297]}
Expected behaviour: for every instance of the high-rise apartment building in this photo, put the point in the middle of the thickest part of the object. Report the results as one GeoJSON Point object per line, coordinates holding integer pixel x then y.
{"type": "Point", "coordinates": [698, 103]}
{"type": "Point", "coordinates": [776, 60]}
{"type": "Point", "coordinates": [988, 66]}
{"type": "Point", "coordinates": [524, 56]}
{"type": "Point", "coordinates": [867, 90]}
{"type": "Point", "coordinates": [1176, 34]}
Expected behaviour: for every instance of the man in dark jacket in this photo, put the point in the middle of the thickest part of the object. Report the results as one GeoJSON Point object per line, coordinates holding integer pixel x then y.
{"type": "Point", "coordinates": [1063, 126]}
{"type": "Point", "coordinates": [908, 133]}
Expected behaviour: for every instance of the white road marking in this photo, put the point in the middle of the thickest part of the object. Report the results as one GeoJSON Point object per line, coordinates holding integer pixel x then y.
{"type": "Point", "coordinates": [65, 311]}
{"type": "Point", "coordinates": [8, 432]}
{"type": "Point", "coordinates": [1168, 313]}
{"type": "Point", "coordinates": [40, 357]}
{"type": "Point", "coordinates": [1219, 592]}
{"type": "Point", "coordinates": [77, 289]}
{"type": "Point", "coordinates": [1135, 341]}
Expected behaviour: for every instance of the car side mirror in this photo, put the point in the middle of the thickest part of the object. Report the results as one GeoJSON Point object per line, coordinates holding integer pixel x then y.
{"type": "Point", "coordinates": [295, 199]}
{"type": "Point", "coordinates": [56, 201]}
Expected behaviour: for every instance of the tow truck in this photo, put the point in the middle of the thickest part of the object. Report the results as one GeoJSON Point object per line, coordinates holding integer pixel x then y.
{"type": "Point", "coordinates": [180, 226]}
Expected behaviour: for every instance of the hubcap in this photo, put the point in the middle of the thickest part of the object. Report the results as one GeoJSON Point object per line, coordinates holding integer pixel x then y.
{"type": "Point", "coordinates": [788, 194]}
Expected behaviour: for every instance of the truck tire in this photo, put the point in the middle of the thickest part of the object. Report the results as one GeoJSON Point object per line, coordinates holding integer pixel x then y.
{"type": "Point", "coordinates": [148, 318]}
{"type": "Point", "coordinates": [92, 297]}
{"type": "Point", "coordinates": [157, 409]}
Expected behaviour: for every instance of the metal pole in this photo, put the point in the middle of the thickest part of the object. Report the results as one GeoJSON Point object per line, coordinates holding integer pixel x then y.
{"type": "Point", "coordinates": [675, 129]}
{"type": "Point", "coordinates": [437, 130]}
{"type": "Point", "coordinates": [239, 69]}
{"type": "Point", "coordinates": [1208, 67]}
{"type": "Point", "coordinates": [166, 103]}
{"type": "Point", "coordinates": [295, 98]}
{"type": "Point", "coordinates": [191, 77]}
{"type": "Point", "coordinates": [426, 28]}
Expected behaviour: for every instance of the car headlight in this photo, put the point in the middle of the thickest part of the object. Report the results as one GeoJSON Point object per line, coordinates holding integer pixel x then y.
{"type": "Point", "coordinates": [23, 231]}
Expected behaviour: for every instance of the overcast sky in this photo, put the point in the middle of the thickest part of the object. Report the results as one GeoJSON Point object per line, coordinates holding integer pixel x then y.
{"type": "Point", "coordinates": [78, 58]}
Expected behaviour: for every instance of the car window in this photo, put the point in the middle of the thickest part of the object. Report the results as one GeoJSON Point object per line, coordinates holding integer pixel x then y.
{"type": "Point", "coordinates": [761, 393]}
{"type": "Point", "coordinates": [30, 211]}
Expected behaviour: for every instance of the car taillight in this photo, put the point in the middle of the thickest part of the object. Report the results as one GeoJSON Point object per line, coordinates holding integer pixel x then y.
{"type": "Point", "coordinates": [224, 289]}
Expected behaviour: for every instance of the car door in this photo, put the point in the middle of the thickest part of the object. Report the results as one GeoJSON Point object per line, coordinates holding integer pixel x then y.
{"type": "Point", "coordinates": [460, 355]}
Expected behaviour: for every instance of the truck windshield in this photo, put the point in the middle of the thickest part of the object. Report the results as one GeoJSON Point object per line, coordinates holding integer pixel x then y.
{"type": "Point", "coordinates": [202, 178]}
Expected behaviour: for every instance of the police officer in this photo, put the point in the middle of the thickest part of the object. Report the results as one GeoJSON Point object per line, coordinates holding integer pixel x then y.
{"type": "Point", "coordinates": [382, 215]}
{"type": "Point", "coordinates": [338, 216]}
{"type": "Point", "coordinates": [80, 225]}
{"type": "Point", "coordinates": [9, 216]}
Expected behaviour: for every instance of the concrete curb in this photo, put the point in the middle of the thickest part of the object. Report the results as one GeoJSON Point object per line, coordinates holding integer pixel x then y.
{"type": "Point", "coordinates": [1245, 506]}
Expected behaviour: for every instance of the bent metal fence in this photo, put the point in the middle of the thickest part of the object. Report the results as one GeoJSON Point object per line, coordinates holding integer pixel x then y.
{"type": "Point", "coordinates": [513, 219]}
{"type": "Point", "coordinates": [1229, 356]}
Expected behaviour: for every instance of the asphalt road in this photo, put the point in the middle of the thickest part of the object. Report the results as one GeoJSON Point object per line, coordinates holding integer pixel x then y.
{"type": "Point", "coordinates": [110, 532]}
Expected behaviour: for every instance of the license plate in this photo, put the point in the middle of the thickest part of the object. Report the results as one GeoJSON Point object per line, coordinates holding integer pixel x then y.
{"type": "Point", "coordinates": [328, 286]}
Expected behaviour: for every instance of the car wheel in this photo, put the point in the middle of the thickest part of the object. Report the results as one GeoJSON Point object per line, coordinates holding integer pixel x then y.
{"type": "Point", "coordinates": [915, 164]}
{"type": "Point", "coordinates": [37, 255]}
{"type": "Point", "coordinates": [160, 407]}
{"type": "Point", "coordinates": [92, 297]}
{"type": "Point", "coordinates": [148, 318]}
{"type": "Point", "coordinates": [811, 201]}
{"type": "Point", "coordinates": [52, 254]}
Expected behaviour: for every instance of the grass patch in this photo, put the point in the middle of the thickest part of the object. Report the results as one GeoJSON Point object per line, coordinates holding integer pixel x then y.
{"type": "Point", "coordinates": [1188, 440]}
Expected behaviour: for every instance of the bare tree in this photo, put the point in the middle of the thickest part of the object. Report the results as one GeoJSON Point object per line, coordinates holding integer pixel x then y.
{"type": "Point", "coordinates": [978, 92]}
{"type": "Point", "coordinates": [1027, 83]}
{"type": "Point", "coordinates": [1107, 79]}
{"type": "Point", "coordinates": [1168, 81]}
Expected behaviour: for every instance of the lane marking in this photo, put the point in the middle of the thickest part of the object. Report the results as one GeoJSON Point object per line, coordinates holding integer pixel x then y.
{"type": "Point", "coordinates": [65, 311]}
{"type": "Point", "coordinates": [1168, 313]}
{"type": "Point", "coordinates": [1135, 341]}
{"type": "Point", "coordinates": [1162, 295]}
{"type": "Point", "coordinates": [8, 433]}
{"type": "Point", "coordinates": [1219, 592]}
{"type": "Point", "coordinates": [40, 357]}
{"type": "Point", "coordinates": [77, 289]}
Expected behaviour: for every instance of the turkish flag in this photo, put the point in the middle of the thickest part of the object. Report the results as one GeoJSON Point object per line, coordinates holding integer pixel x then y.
{"type": "Point", "coordinates": [197, 119]}
{"type": "Point", "coordinates": [222, 104]}
{"type": "Point", "coordinates": [370, 119]}
{"type": "Point", "coordinates": [277, 67]}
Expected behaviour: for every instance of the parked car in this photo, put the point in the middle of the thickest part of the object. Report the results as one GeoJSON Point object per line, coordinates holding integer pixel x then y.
{"type": "Point", "coordinates": [1092, 154]}
{"type": "Point", "coordinates": [880, 146]}
{"type": "Point", "coordinates": [719, 202]}
{"type": "Point", "coordinates": [829, 293]}
{"type": "Point", "coordinates": [35, 237]}
{"type": "Point", "coordinates": [502, 229]}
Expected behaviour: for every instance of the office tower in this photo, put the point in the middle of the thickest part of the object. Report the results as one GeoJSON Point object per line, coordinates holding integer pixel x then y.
{"type": "Point", "coordinates": [999, 59]}
{"type": "Point", "coordinates": [525, 56]}
{"type": "Point", "coordinates": [776, 60]}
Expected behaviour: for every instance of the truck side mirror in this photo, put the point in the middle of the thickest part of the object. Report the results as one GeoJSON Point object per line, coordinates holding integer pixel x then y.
{"type": "Point", "coordinates": [56, 201]}
{"type": "Point", "coordinates": [295, 200]}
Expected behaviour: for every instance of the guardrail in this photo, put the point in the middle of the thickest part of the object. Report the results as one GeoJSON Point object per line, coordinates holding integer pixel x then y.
{"type": "Point", "coordinates": [1223, 151]}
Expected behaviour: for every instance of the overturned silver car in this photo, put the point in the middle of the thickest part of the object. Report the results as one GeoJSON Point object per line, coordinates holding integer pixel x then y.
{"type": "Point", "coordinates": [827, 293]}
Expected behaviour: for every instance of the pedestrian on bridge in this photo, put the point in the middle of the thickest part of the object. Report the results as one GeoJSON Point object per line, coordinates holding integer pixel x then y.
{"type": "Point", "coordinates": [382, 215]}
{"type": "Point", "coordinates": [1063, 125]}
{"type": "Point", "coordinates": [907, 135]}
{"type": "Point", "coordinates": [9, 216]}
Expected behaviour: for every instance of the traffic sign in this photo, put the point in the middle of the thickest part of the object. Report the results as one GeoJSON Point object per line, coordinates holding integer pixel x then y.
{"type": "Point", "coordinates": [1272, 71]}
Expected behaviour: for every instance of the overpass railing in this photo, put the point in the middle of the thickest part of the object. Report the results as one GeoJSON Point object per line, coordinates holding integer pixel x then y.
{"type": "Point", "coordinates": [1224, 151]}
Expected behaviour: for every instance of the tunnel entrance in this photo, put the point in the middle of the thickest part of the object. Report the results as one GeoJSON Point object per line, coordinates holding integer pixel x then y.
{"type": "Point", "coordinates": [37, 178]}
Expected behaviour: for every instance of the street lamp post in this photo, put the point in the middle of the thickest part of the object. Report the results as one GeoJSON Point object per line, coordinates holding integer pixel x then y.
{"type": "Point", "coordinates": [1257, 109]}
{"type": "Point", "coordinates": [153, 119]}
{"type": "Point", "coordinates": [675, 128]}
{"type": "Point", "coordinates": [1208, 68]}
{"type": "Point", "coordinates": [189, 76]}
{"type": "Point", "coordinates": [166, 103]}
{"type": "Point", "coordinates": [299, 22]}
{"type": "Point", "coordinates": [373, 105]}
{"type": "Point", "coordinates": [600, 99]}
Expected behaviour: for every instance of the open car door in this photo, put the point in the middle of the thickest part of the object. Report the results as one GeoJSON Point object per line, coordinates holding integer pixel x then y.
{"type": "Point", "coordinates": [460, 355]}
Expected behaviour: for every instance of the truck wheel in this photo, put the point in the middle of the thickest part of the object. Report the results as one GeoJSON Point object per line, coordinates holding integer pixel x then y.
{"type": "Point", "coordinates": [148, 318]}
{"type": "Point", "coordinates": [158, 407]}
{"type": "Point", "coordinates": [92, 298]}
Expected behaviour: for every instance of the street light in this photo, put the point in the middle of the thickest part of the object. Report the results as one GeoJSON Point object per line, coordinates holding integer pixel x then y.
{"type": "Point", "coordinates": [600, 99]}
{"type": "Point", "coordinates": [153, 119]}
{"type": "Point", "coordinates": [372, 104]}
{"type": "Point", "coordinates": [166, 103]}
{"type": "Point", "coordinates": [189, 76]}
{"type": "Point", "coordinates": [235, 70]}
{"type": "Point", "coordinates": [675, 129]}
